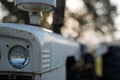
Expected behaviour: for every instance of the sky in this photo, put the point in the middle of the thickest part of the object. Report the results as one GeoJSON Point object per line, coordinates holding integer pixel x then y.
{"type": "Point", "coordinates": [117, 2]}
{"type": "Point", "coordinates": [117, 18]}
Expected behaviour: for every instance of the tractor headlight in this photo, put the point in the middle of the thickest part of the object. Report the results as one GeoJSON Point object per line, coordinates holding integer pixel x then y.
{"type": "Point", "coordinates": [18, 57]}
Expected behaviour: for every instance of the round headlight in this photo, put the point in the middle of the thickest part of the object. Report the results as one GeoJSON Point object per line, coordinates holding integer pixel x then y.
{"type": "Point", "coordinates": [18, 57]}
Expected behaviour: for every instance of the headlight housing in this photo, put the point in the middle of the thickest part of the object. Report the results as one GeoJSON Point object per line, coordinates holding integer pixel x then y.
{"type": "Point", "coordinates": [18, 57]}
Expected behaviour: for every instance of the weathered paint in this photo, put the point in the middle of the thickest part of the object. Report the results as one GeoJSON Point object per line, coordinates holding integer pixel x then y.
{"type": "Point", "coordinates": [48, 51]}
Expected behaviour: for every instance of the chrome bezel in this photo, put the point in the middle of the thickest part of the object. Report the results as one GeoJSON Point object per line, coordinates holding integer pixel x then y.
{"type": "Point", "coordinates": [26, 54]}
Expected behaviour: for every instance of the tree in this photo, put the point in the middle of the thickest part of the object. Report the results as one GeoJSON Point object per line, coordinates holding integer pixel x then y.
{"type": "Point", "coordinates": [15, 15]}
{"type": "Point", "coordinates": [74, 18]}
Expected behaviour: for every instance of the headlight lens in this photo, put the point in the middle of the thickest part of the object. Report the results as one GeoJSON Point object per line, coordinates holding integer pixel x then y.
{"type": "Point", "coordinates": [18, 57]}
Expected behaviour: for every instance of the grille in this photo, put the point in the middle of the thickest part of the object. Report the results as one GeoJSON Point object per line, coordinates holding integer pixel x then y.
{"type": "Point", "coordinates": [11, 76]}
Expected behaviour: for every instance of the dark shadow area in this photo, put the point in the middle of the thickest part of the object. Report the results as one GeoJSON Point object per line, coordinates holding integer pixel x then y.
{"type": "Point", "coordinates": [111, 64]}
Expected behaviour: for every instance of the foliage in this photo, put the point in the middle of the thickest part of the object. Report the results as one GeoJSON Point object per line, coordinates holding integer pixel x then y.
{"type": "Point", "coordinates": [96, 15]}
{"type": "Point", "coordinates": [15, 15]}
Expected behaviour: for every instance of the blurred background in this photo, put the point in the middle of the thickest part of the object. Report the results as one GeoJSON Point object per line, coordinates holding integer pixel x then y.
{"type": "Point", "coordinates": [87, 21]}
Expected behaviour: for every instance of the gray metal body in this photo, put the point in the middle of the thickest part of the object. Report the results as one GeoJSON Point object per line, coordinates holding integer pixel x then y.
{"type": "Point", "coordinates": [48, 51]}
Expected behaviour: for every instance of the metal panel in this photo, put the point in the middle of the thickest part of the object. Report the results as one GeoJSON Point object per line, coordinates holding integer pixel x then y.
{"type": "Point", "coordinates": [11, 36]}
{"type": "Point", "coordinates": [16, 76]}
{"type": "Point", "coordinates": [46, 57]}
{"type": "Point", "coordinates": [51, 2]}
{"type": "Point", "coordinates": [56, 74]}
{"type": "Point", "coordinates": [54, 48]}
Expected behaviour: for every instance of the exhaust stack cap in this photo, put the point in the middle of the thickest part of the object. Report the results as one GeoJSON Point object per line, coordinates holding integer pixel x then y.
{"type": "Point", "coordinates": [35, 5]}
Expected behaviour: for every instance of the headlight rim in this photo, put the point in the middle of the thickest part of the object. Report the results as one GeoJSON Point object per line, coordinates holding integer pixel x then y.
{"type": "Point", "coordinates": [27, 59]}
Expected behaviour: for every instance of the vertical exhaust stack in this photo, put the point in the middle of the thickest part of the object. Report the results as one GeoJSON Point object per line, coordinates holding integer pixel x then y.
{"type": "Point", "coordinates": [35, 7]}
